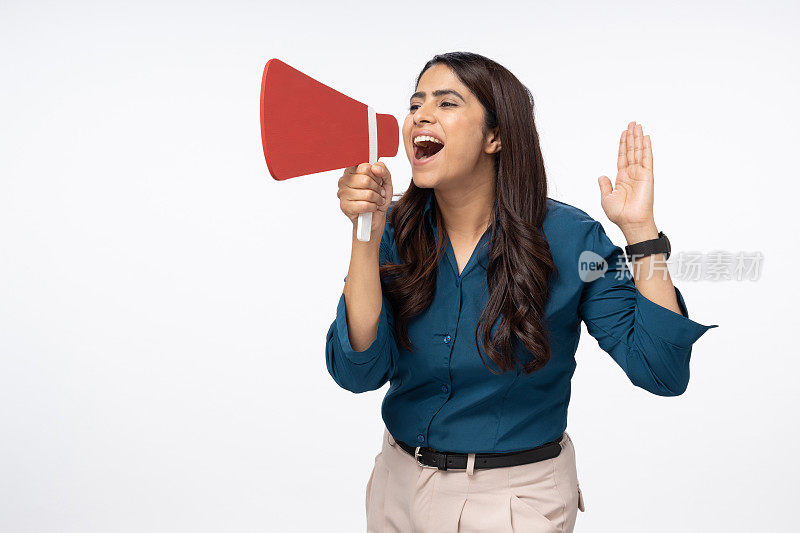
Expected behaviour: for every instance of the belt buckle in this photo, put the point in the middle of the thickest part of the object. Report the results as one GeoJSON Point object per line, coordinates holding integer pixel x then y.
{"type": "Point", "coordinates": [417, 455]}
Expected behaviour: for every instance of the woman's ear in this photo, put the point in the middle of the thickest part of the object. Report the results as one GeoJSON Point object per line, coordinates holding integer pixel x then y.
{"type": "Point", "coordinates": [493, 144]}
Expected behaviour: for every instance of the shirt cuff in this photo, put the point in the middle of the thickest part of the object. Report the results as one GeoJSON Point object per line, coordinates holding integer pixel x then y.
{"type": "Point", "coordinates": [374, 349]}
{"type": "Point", "coordinates": [667, 324]}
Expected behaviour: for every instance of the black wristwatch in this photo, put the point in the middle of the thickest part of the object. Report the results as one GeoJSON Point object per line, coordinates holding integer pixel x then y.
{"type": "Point", "coordinates": [653, 246]}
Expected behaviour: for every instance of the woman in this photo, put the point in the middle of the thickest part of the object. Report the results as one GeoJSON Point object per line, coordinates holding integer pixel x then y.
{"type": "Point", "coordinates": [468, 300]}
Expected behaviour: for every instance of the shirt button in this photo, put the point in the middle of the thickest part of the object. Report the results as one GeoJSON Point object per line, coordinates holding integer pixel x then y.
{"type": "Point", "coordinates": [446, 339]}
{"type": "Point", "coordinates": [444, 388]}
{"type": "Point", "coordinates": [420, 437]}
{"type": "Point", "coordinates": [457, 282]}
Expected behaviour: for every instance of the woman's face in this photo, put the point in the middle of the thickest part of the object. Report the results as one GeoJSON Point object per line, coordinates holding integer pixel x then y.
{"type": "Point", "coordinates": [455, 117]}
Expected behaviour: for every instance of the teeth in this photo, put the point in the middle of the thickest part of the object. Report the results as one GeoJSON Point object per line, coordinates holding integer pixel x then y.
{"type": "Point", "coordinates": [426, 138]}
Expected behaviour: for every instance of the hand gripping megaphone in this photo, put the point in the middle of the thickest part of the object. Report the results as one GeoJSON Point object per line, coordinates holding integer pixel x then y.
{"type": "Point", "coordinates": [307, 127]}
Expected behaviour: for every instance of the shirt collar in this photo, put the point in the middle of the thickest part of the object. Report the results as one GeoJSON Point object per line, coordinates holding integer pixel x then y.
{"type": "Point", "coordinates": [484, 245]}
{"type": "Point", "coordinates": [427, 214]}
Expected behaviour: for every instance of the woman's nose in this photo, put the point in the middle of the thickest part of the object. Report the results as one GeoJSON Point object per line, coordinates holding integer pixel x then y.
{"type": "Point", "coordinates": [422, 115]}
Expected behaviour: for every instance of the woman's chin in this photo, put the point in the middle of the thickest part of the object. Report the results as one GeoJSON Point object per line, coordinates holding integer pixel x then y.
{"type": "Point", "coordinates": [424, 180]}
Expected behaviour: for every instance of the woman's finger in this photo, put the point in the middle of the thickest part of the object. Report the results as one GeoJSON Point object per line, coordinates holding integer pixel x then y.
{"type": "Point", "coordinates": [637, 142]}
{"type": "Point", "coordinates": [361, 195]}
{"type": "Point", "coordinates": [605, 186]}
{"type": "Point", "coordinates": [361, 182]}
{"type": "Point", "coordinates": [622, 158]}
{"type": "Point", "coordinates": [647, 154]}
{"type": "Point", "coordinates": [384, 174]}
{"type": "Point", "coordinates": [366, 168]}
{"type": "Point", "coordinates": [354, 208]}
{"type": "Point", "coordinates": [630, 146]}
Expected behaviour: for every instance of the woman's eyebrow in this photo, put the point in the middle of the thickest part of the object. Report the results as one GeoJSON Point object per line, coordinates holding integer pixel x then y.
{"type": "Point", "coordinates": [437, 92]}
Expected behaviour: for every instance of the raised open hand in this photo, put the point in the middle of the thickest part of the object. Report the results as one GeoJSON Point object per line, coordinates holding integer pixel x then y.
{"type": "Point", "coordinates": [629, 204]}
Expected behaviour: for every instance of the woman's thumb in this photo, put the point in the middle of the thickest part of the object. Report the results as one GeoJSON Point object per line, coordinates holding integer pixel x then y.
{"type": "Point", "coordinates": [605, 186]}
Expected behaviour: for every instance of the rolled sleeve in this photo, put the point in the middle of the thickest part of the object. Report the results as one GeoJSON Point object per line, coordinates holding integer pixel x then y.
{"type": "Point", "coordinates": [374, 349]}
{"type": "Point", "coordinates": [651, 343]}
{"type": "Point", "coordinates": [667, 324]}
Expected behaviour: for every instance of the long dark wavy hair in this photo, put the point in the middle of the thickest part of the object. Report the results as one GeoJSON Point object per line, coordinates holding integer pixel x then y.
{"type": "Point", "coordinates": [520, 263]}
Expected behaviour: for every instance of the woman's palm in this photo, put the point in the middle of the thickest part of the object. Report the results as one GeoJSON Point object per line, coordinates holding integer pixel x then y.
{"type": "Point", "coordinates": [630, 202]}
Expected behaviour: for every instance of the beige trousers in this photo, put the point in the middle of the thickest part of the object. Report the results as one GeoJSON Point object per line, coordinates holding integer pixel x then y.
{"type": "Point", "coordinates": [541, 497]}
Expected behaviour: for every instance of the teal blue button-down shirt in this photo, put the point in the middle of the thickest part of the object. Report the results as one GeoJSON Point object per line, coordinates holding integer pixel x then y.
{"type": "Point", "coordinates": [441, 395]}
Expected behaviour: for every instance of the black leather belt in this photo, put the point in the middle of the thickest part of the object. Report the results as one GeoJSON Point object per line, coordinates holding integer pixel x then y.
{"type": "Point", "coordinates": [451, 460]}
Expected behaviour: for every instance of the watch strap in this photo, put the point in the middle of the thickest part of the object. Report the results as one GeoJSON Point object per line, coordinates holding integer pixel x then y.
{"type": "Point", "coordinates": [645, 248]}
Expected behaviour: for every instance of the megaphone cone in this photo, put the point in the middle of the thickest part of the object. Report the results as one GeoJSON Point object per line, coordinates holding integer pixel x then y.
{"type": "Point", "coordinates": [307, 127]}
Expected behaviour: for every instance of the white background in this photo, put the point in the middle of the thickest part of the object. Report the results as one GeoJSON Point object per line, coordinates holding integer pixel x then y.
{"type": "Point", "coordinates": [164, 302]}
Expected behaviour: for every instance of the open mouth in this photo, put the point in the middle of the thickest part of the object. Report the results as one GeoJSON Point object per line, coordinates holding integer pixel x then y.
{"type": "Point", "coordinates": [425, 150]}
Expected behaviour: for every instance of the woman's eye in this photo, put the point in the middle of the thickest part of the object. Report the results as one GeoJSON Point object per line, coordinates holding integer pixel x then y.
{"type": "Point", "coordinates": [414, 107]}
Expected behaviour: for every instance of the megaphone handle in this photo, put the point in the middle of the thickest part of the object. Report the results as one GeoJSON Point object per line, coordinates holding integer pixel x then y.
{"type": "Point", "coordinates": [365, 219]}
{"type": "Point", "coordinates": [364, 226]}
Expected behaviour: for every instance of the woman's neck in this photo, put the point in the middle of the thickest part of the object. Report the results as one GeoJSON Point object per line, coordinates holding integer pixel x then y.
{"type": "Point", "coordinates": [467, 211]}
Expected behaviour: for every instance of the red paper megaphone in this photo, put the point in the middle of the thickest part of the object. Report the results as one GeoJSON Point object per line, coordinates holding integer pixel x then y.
{"type": "Point", "coordinates": [307, 127]}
